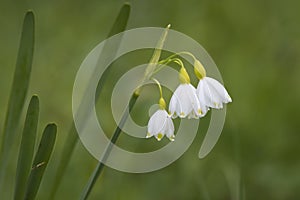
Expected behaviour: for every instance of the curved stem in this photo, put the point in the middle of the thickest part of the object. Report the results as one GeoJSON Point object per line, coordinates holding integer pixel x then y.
{"type": "Point", "coordinates": [178, 54]}
{"type": "Point", "coordinates": [164, 63]}
{"type": "Point", "coordinates": [179, 62]}
{"type": "Point", "coordinates": [159, 87]}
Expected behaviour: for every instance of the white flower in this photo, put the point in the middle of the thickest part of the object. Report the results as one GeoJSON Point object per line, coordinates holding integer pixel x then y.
{"type": "Point", "coordinates": [185, 102]}
{"type": "Point", "coordinates": [161, 124]}
{"type": "Point", "coordinates": [211, 93]}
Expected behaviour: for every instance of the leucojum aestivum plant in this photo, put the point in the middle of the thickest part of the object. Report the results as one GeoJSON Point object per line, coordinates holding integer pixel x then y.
{"type": "Point", "coordinates": [187, 101]}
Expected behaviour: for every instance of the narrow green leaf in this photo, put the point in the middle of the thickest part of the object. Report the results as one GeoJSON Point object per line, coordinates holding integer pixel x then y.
{"type": "Point", "coordinates": [111, 47]}
{"type": "Point", "coordinates": [121, 21]}
{"type": "Point", "coordinates": [159, 46]}
{"type": "Point", "coordinates": [27, 147]}
{"type": "Point", "coordinates": [72, 138]}
{"type": "Point", "coordinates": [41, 161]}
{"type": "Point", "coordinates": [156, 54]}
{"type": "Point", "coordinates": [18, 93]}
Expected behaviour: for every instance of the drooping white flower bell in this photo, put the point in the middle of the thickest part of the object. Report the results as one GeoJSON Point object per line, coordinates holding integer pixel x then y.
{"type": "Point", "coordinates": [211, 93]}
{"type": "Point", "coordinates": [161, 124]}
{"type": "Point", "coordinates": [184, 102]}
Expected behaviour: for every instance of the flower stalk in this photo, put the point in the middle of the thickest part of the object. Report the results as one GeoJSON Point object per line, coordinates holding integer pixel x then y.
{"type": "Point", "coordinates": [148, 74]}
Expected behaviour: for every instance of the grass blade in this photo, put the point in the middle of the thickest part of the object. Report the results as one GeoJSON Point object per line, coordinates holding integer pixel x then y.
{"type": "Point", "coordinates": [111, 47]}
{"type": "Point", "coordinates": [72, 138]}
{"type": "Point", "coordinates": [18, 93]}
{"type": "Point", "coordinates": [27, 147]}
{"type": "Point", "coordinates": [40, 161]}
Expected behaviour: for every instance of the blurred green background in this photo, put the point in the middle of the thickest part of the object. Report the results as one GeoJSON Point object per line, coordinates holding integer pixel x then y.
{"type": "Point", "coordinates": [256, 46]}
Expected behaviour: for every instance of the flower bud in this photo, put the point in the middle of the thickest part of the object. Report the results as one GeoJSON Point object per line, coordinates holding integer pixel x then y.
{"type": "Point", "coordinates": [183, 76]}
{"type": "Point", "coordinates": [199, 69]}
{"type": "Point", "coordinates": [162, 103]}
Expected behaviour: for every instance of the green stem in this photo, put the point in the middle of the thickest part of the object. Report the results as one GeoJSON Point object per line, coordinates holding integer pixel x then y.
{"type": "Point", "coordinates": [172, 58]}
{"type": "Point", "coordinates": [148, 73]}
{"type": "Point", "coordinates": [97, 172]}
{"type": "Point", "coordinates": [178, 54]}
{"type": "Point", "coordinates": [159, 87]}
{"type": "Point", "coordinates": [163, 63]}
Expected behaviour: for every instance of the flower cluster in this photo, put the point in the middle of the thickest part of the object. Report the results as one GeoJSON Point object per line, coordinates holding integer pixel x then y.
{"type": "Point", "coordinates": [187, 101]}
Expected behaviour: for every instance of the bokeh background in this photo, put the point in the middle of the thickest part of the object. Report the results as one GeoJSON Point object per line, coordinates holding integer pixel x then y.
{"type": "Point", "coordinates": [256, 46]}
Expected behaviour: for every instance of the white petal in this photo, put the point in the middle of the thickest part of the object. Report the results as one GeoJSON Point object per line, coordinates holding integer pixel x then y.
{"type": "Point", "coordinates": [156, 122]}
{"type": "Point", "coordinates": [211, 93]}
{"type": "Point", "coordinates": [206, 94]}
{"type": "Point", "coordinates": [160, 123]}
{"type": "Point", "coordinates": [173, 105]}
{"type": "Point", "coordinates": [220, 89]}
{"type": "Point", "coordinates": [194, 102]}
{"type": "Point", "coordinates": [182, 106]}
{"type": "Point", "coordinates": [204, 109]}
{"type": "Point", "coordinates": [170, 129]}
{"type": "Point", "coordinates": [184, 102]}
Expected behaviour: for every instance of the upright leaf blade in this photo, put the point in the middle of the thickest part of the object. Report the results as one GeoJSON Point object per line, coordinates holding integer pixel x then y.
{"type": "Point", "coordinates": [40, 161]}
{"type": "Point", "coordinates": [121, 21]}
{"type": "Point", "coordinates": [72, 138]}
{"type": "Point", "coordinates": [27, 147]}
{"type": "Point", "coordinates": [156, 54]}
{"type": "Point", "coordinates": [18, 93]}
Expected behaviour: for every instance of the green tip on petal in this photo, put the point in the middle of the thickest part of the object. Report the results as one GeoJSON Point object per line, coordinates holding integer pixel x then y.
{"type": "Point", "coordinates": [199, 70]}
{"type": "Point", "coordinates": [182, 114]}
{"type": "Point", "coordinates": [184, 76]}
{"type": "Point", "coordinates": [172, 138]}
{"type": "Point", "coordinates": [148, 135]}
{"type": "Point", "coordinates": [199, 111]}
{"type": "Point", "coordinates": [159, 136]}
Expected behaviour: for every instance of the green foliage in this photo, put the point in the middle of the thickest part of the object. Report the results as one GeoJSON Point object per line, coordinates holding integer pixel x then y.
{"type": "Point", "coordinates": [27, 148]}
{"type": "Point", "coordinates": [26, 186]}
{"type": "Point", "coordinates": [255, 45]}
{"type": "Point", "coordinates": [41, 160]}
{"type": "Point", "coordinates": [18, 93]}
